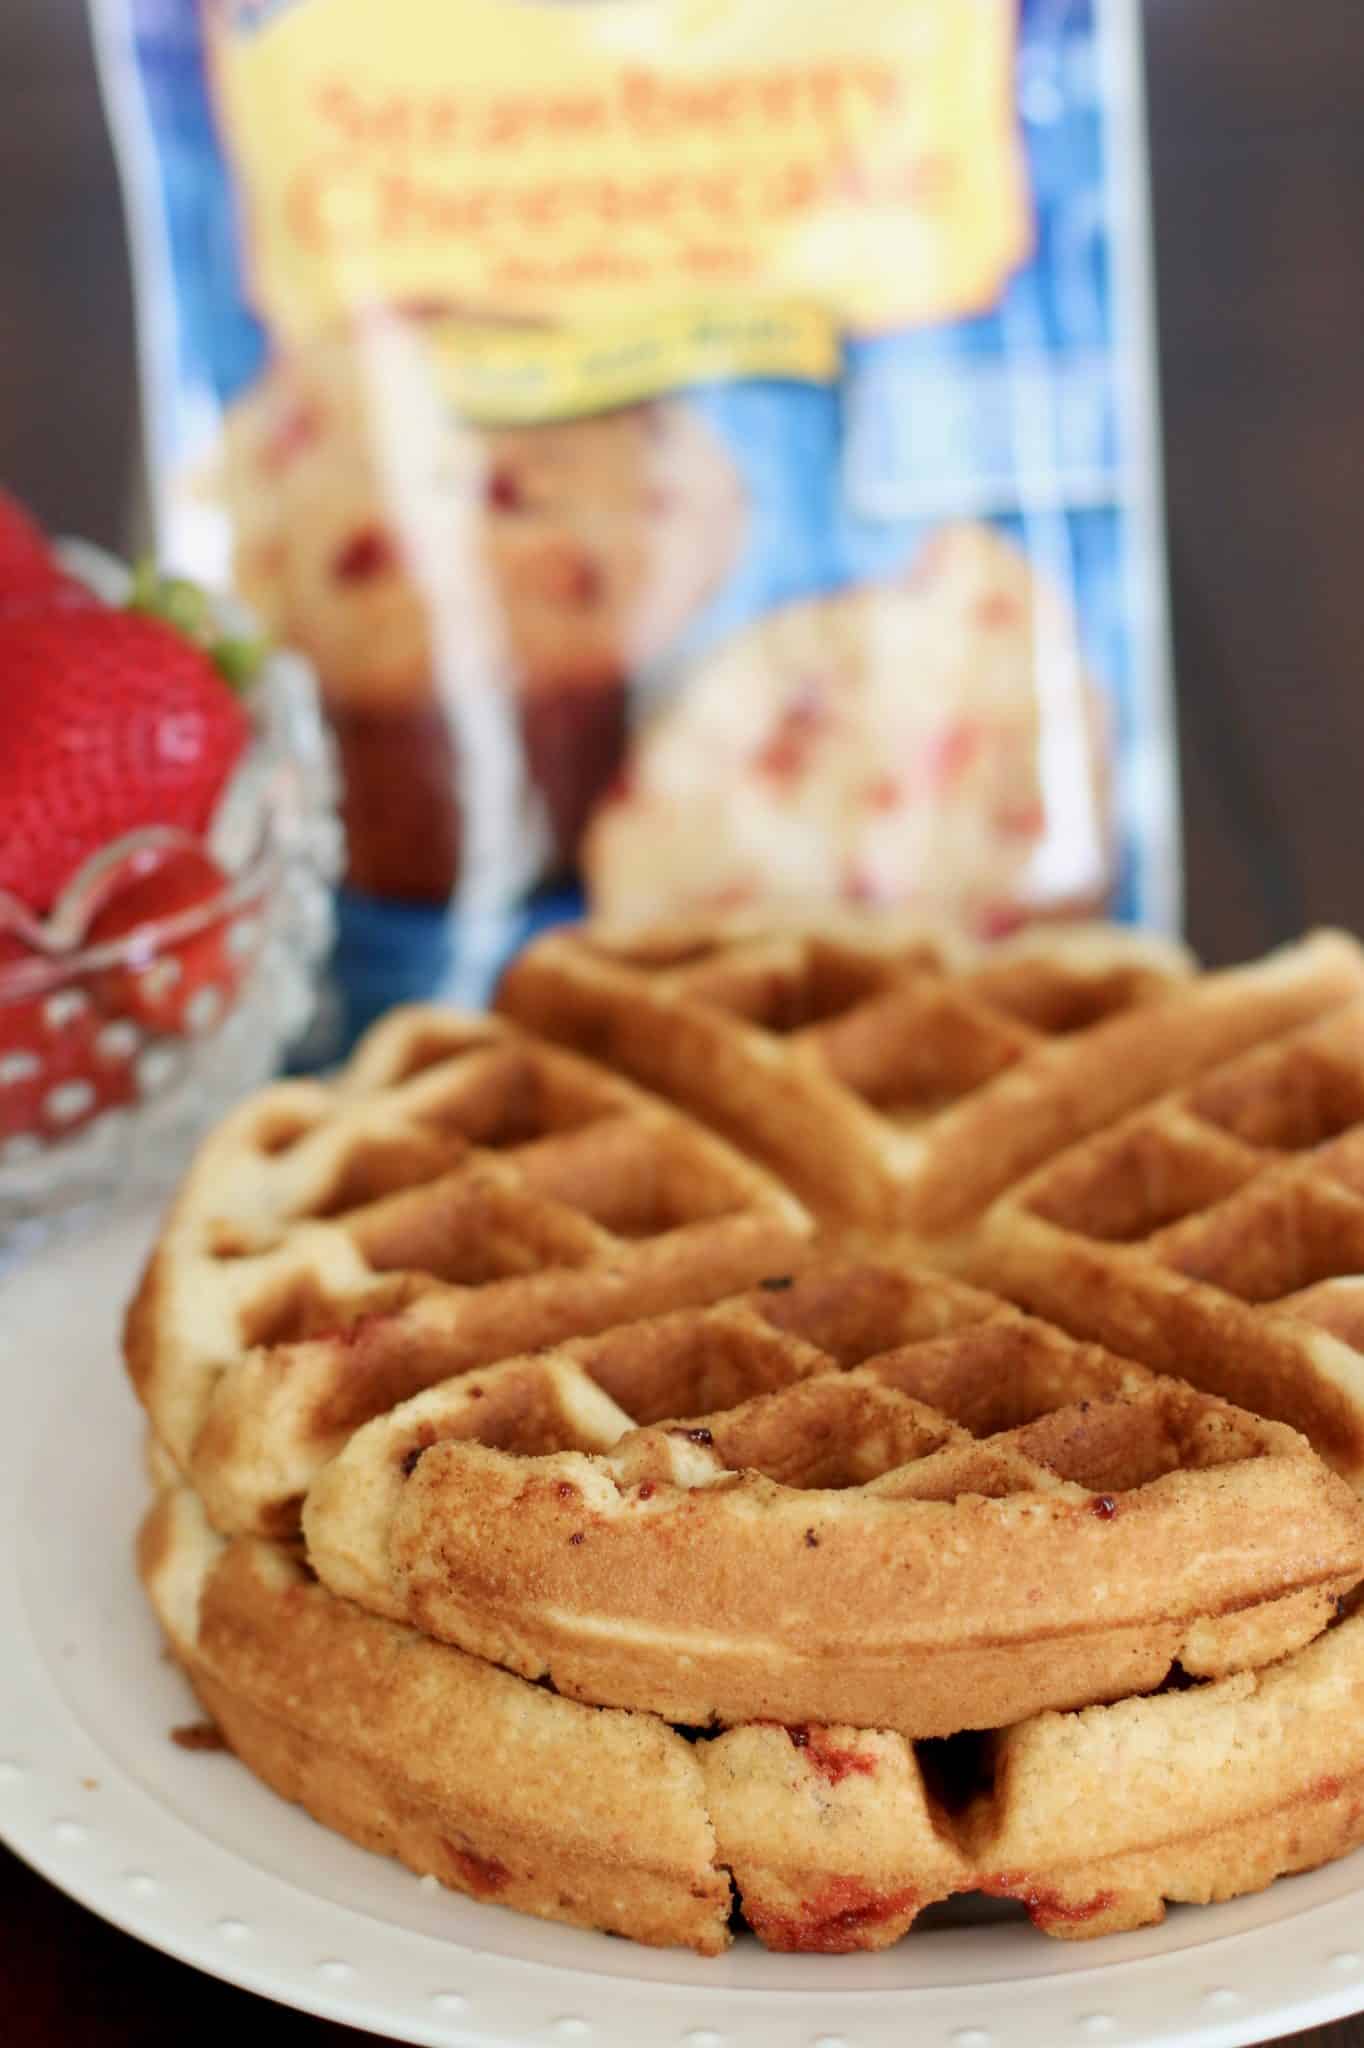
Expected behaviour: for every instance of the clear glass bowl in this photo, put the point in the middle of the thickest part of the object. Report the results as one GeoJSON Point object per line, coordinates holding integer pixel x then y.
{"type": "Point", "coordinates": [94, 1098]}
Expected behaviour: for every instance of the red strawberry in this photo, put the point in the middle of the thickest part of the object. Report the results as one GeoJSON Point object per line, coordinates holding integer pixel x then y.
{"type": "Point", "coordinates": [63, 594]}
{"type": "Point", "coordinates": [113, 721]}
{"type": "Point", "coordinates": [60, 1062]}
{"type": "Point", "coordinates": [26, 561]}
{"type": "Point", "coordinates": [178, 986]}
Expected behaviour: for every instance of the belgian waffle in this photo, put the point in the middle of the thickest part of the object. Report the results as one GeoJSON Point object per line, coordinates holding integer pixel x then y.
{"type": "Point", "coordinates": [891, 1501]}
{"type": "Point", "coordinates": [1092, 1820]}
{"type": "Point", "coordinates": [628, 1485]}
{"type": "Point", "coordinates": [824, 1838]}
{"type": "Point", "coordinates": [413, 1749]}
{"type": "Point", "coordinates": [895, 1083]}
{"type": "Point", "coordinates": [1218, 1233]}
{"type": "Point", "coordinates": [458, 1194]}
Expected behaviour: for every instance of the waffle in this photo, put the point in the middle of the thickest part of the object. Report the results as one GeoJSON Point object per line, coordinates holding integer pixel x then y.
{"type": "Point", "coordinates": [1218, 1233]}
{"type": "Point", "coordinates": [415, 1750]}
{"type": "Point", "coordinates": [824, 1838]}
{"type": "Point", "coordinates": [891, 1502]}
{"type": "Point", "coordinates": [896, 1083]}
{"type": "Point", "coordinates": [838, 1838]}
{"type": "Point", "coordinates": [460, 1193]}
{"type": "Point", "coordinates": [532, 1460]}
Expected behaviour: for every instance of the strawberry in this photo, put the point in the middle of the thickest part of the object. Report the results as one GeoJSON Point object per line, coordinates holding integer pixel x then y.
{"type": "Point", "coordinates": [26, 561]}
{"type": "Point", "coordinates": [64, 594]}
{"type": "Point", "coordinates": [181, 985]}
{"type": "Point", "coordinates": [113, 720]}
{"type": "Point", "coordinates": [31, 577]}
{"type": "Point", "coordinates": [60, 1062]}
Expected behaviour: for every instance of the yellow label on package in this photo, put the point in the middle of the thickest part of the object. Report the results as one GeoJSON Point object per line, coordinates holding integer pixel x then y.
{"type": "Point", "coordinates": [515, 376]}
{"type": "Point", "coordinates": [641, 169]}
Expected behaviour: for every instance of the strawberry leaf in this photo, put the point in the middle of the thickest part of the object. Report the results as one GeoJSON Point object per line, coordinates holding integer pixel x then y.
{"type": "Point", "coordinates": [238, 659]}
{"type": "Point", "coordinates": [185, 606]}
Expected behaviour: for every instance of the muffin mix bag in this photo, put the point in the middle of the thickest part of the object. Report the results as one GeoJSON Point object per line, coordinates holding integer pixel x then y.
{"type": "Point", "coordinates": [705, 447]}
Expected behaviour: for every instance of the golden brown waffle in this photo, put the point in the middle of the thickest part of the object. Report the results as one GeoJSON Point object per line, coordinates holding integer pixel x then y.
{"type": "Point", "coordinates": [1219, 1234]}
{"type": "Point", "coordinates": [458, 1194]}
{"type": "Point", "coordinates": [411, 1748]}
{"type": "Point", "coordinates": [897, 1085]}
{"type": "Point", "coordinates": [1155, 1173]}
{"type": "Point", "coordinates": [842, 1528]}
{"type": "Point", "coordinates": [863, 1496]}
{"type": "Point", "coordinates": [828, 1839]}
{"type": "Point", "coordinates": [838, 1838]}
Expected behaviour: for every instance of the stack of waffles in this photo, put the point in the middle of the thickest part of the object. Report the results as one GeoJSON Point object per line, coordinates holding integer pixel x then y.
{"type": "Point", "coordinates": [913, 1450]}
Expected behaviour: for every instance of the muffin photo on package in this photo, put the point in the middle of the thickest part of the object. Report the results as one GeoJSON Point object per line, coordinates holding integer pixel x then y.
{"type": "Point", "coordinates": [706, 453]}
{"type": "Point", "coordinates": [592, 541]}
{"type": "Point", "coordinates": [885, 746]}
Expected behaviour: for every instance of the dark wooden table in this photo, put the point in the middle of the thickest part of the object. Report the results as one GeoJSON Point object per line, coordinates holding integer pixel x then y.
{"type": "Point", "coordinates": [1257, 137]}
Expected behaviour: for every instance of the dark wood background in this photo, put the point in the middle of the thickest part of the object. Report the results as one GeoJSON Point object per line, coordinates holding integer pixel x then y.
{"type": "Point", "coordinates": [1257, 147]}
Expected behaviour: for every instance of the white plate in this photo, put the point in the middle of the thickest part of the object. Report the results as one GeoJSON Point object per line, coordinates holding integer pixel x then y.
{"type": "Point", "coordinates": [188, 1852]}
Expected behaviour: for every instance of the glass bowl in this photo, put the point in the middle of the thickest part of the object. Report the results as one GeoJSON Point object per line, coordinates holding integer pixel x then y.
{"type": "Point", "coordinates": [114, 1058]}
